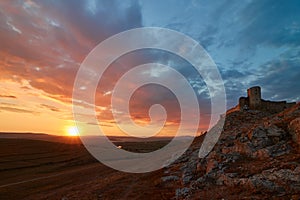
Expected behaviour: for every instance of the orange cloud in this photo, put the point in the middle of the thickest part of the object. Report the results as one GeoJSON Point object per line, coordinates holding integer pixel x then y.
{"type": "Point", "coordinates": [42, 46]}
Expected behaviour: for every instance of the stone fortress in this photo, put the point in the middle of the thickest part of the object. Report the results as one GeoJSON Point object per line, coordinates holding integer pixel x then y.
{"type": "Point", "coordinates": [254, 102]}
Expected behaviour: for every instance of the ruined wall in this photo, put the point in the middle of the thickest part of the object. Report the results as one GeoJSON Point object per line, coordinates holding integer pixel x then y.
{"type": "Point", "coordinates": [275, 106]}
{"type": "Point", "coordinates": [254, 102]}
{"type": "Point", "coordinates": [243, 103]}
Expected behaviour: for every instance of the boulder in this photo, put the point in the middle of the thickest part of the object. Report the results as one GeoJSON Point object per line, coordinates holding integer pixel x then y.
{"type": "Point", "coordinates": [258, 132]}
{"type": "Point", "coordinates": [211, 165]}
{"type": "Point", "coordinates": [294, 130]}
{"type": "Point", "coordinates": [182, 192]}
{"type": "Point", "coordinates": [261, 184]}
{"type": "Point", "coordinates": [169, 178]}
{"type": "Point", "coordinates": [274, 131]}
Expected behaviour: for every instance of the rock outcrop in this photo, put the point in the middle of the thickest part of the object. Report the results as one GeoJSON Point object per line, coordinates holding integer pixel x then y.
{"type": "Point", "coordinates": [294, 129]}
{"type": "Point", "coordinates": [257, 156]}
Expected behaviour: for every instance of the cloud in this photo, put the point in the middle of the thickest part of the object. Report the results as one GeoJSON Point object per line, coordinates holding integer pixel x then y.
{"type": "Point", "coordinates": [16, 110]}
{"type": "Point", "coordinates": [101, 124]}
{"type": "Point", "coordinates": [252, 42]}
{"type": "Point", "coordinates": [8, 96]}
{"type": "Point", "coordinates": [271, 23]}
{"type": "Point", "coordinates": [52, 108]}
{"type": "Point", "coordinates": [280, 79]}
{"type": "Point", "coordinates": [54, 37]}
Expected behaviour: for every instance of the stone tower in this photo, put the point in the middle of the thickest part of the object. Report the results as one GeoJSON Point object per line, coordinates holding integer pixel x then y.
{"type": "Point", "coordinates": [254, 95]}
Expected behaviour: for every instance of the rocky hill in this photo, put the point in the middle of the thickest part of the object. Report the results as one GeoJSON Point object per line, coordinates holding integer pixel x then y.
{"type": "Point", "coordinates": [256, 157]}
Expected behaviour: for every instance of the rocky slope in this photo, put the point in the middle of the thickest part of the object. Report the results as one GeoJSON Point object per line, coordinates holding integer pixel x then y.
{"type": "Point", "coordinates": [256, 157]}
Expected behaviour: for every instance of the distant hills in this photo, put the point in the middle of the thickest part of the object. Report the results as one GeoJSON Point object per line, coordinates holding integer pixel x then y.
{"type": "Point", "coordinates": [68, 139]}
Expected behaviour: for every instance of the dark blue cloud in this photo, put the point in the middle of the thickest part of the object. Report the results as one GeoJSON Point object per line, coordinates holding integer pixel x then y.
{"type": "Point", "coordinates": [252, 43]}
{"type": "Point", "coordinates": [280, 79]}
{"type": "Point", "coordinates": [275, 23]}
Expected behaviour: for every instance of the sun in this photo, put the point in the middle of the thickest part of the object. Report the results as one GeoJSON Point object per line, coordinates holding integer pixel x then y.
{"type": "Point", "coordinates": [72, 131]}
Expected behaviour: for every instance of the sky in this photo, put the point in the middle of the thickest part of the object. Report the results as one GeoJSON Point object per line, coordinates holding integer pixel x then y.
{"type": "Point", "coordinates": [43, 43]}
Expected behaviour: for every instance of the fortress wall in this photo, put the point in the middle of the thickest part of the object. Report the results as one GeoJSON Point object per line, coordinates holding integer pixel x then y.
{"type": "Point", "coordinates": [254, 102]}
{"type": "Point", "coordinates": [243, 102]}
{"type": "Point", "coordinates": [274, 107]}
{"type": "Point", "coordinates": [290, 104]}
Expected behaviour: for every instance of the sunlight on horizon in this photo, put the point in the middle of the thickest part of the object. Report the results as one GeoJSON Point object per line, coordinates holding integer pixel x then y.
{"type": "Point", "coordinates": [72, 131]}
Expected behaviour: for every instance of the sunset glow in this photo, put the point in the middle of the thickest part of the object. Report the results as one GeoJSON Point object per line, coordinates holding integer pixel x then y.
{"type": "Point", "coordinates": [72, 131]}
{"type": "Point", "coordinates": [43, 44]}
